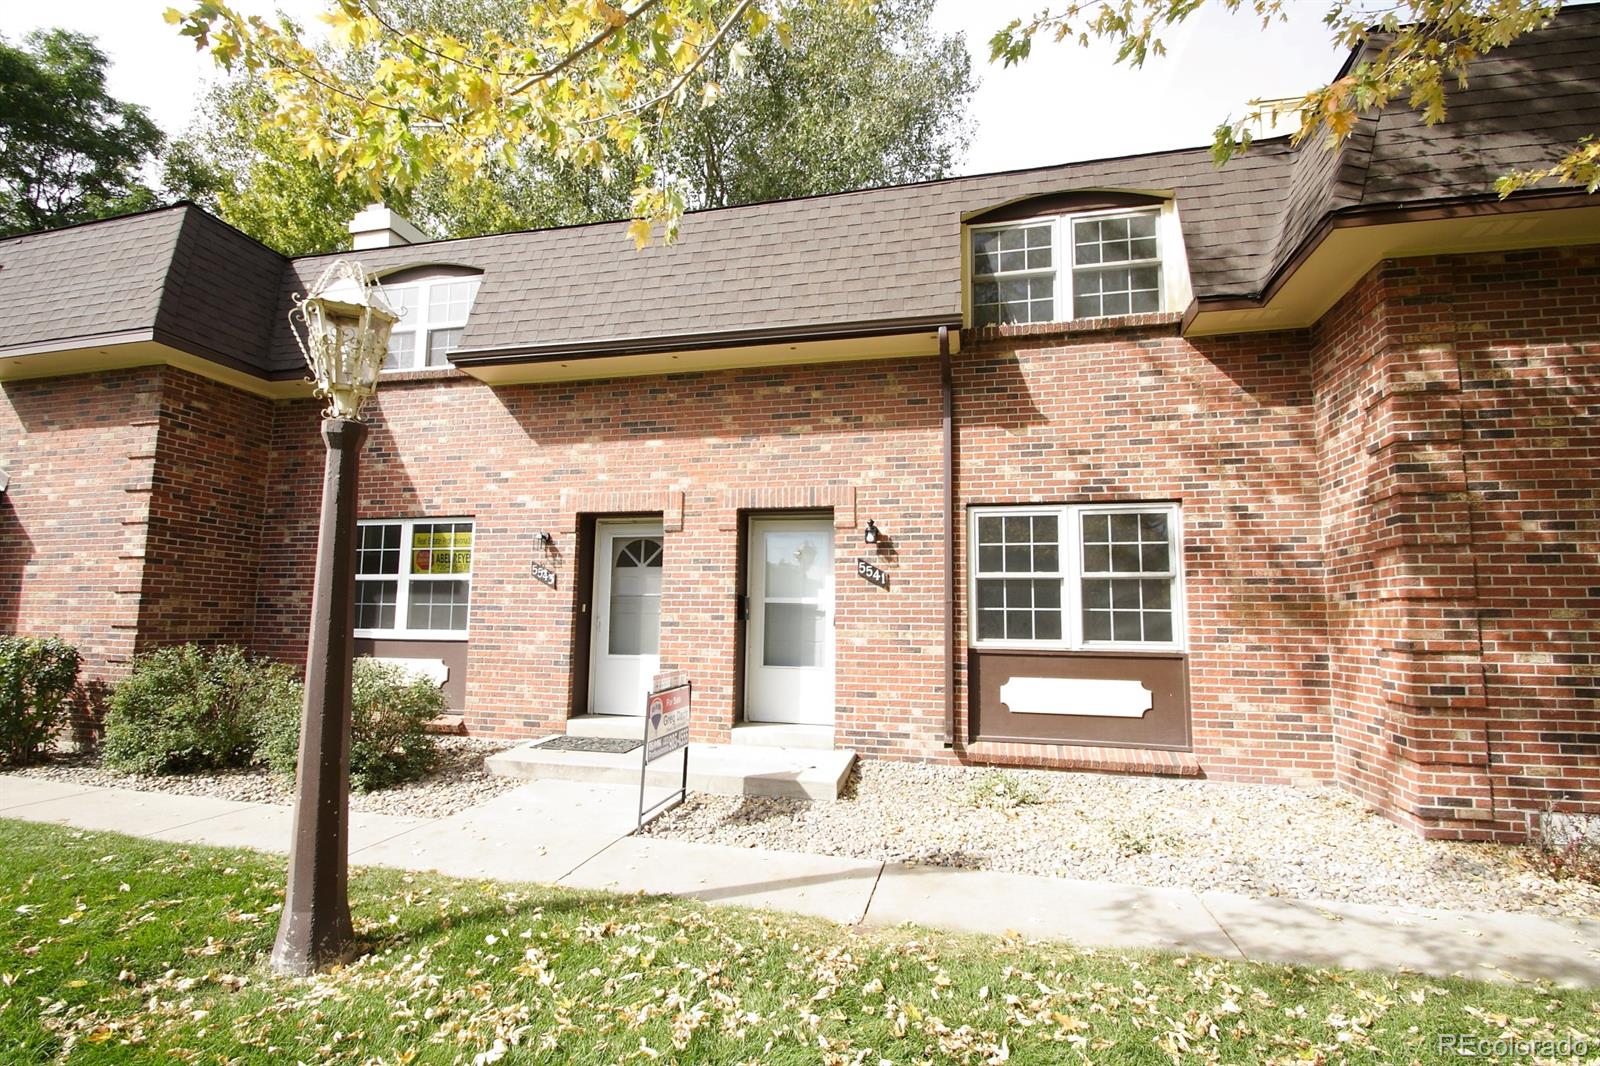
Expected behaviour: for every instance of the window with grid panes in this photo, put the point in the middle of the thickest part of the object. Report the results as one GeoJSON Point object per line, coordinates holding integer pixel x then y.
{"type": "Point", "coordinates": [433, 317]}
{"type": "Point", "coordinates": [1076, 576]}
{"type": "Point", "coordinates": [1127, 576]}
{"type": "Point", "coordinates": [1116, 266]}
{"type": "Point", "coordinates": [1019, 577]}
{"type": "Point", "coordinates": [413, 578]}
{"type": "Point", "coordinates": [1013, 274]}
{"type": "Point", "coordinates": [1096, 265]}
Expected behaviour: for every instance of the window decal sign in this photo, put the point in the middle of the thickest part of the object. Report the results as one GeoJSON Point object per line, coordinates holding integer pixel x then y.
{"type": "Point", "coordinates": [872, 574]}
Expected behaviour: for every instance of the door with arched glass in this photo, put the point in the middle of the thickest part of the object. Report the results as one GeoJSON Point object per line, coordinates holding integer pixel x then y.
{"type": "Point", "coordinates": [625, 642]}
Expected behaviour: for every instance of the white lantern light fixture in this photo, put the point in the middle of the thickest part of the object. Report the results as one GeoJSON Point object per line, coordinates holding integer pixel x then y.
{"type": "Point", "coordinates": [344, 334]}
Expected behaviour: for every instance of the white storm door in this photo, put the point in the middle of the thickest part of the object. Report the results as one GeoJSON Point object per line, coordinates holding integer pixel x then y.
{"type": "Point", "coordinates": [625, 641]}
{"type": "Point", "coordinates": [789, 644]}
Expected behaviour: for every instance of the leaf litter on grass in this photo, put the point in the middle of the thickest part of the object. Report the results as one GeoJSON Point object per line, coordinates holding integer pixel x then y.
{"type": "Point", "coordinates": [175, 969]}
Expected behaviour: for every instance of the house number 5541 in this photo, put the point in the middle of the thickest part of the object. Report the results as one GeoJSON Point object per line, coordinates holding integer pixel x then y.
{"type": "Point", "coordinates": [874, 575]}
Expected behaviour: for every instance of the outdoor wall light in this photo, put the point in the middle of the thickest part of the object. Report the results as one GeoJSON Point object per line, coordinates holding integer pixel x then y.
{"type": "Point", "coordinates": [871, 533]}
{"type": "Point", "coordinates": [546, 539]}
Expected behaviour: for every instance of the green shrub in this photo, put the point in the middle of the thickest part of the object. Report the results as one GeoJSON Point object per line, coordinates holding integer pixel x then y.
{"type": "Point", "coordinates": [190, 708]}
{"type": "Point", "coordinates": [389, 715]}
{"type": "Point", "coordinates": [37, 676]}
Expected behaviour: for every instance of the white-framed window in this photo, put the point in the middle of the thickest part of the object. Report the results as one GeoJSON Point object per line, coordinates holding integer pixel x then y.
{"type": "Point", "coordinates": [1077, 577]}
{"type": "Point", "coordinates": [414, 578]}
{"type": "Point", "coordinates": [1091, 265]}
{"type": "Point", "coordinates": [433, 314]}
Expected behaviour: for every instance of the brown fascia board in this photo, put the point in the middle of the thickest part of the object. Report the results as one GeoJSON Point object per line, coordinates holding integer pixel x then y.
{"type": "Point", "coordinates": [547, 353]}
{"type": "Point", "coordinates": [136, 336]}
{"type": "Point", "coordinates": [1380, 215]}
{"type": "Point", "coordinates": [82, 340]}
{"type": "Point", "coordinates": [208, 353]}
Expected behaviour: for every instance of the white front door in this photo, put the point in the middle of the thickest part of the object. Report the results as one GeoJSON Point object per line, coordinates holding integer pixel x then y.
{"type": "Point", "coordinates": [625, 640]}
{"type": "Point", "coordinates": [789, 644]}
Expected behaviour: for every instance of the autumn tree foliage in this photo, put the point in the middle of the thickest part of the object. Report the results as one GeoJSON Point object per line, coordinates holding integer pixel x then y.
{"type": "Point", "coordinates": [850, 96]}
{"type": "Point", "coordinates": [594, 85]}
{"type": "Point", "coordinates": [1413, 51]}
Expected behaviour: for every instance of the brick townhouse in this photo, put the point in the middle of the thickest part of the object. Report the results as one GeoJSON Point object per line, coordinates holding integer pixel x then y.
{"type": "Point", "coordinates": [1285, 471]}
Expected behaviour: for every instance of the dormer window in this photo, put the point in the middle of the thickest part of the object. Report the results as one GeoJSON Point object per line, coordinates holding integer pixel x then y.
{"type": "Point", "coordinates": [434, 315]}
{"type": "Point", "coordinates": [1089, 265]}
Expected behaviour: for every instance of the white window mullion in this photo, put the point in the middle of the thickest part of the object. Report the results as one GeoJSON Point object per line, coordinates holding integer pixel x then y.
{"type": "Point", "coordinates": [1072, 576]}
{"type": "Point", "coordinates": [1066, 263]}
{"type": "Point", "coordinates": [402, 598]}
{"type": "Point", "coordinates": [419, 346]}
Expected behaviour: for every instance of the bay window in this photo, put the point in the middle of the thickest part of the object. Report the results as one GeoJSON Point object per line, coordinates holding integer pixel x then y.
{"type": "Point", "coordinates": [1091, 265]}
{"type": "Point", "coordinates": [1077, 577]}
{"type": "Point", "coordinates": [413, 579]}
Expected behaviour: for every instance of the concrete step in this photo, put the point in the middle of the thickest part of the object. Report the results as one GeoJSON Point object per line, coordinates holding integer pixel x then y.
{"type": "Point", "coordinates": [781, 735]}
{"type": "Point", "coordinates": [719, 769]}
{"type": "Point", "coordinates": [616, 726]}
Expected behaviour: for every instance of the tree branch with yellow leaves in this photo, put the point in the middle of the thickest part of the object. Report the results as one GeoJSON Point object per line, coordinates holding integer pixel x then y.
{"type": "Point", "coordinates": [586, 82]}
{"type": "Point", "coordinates": [1412, 50]}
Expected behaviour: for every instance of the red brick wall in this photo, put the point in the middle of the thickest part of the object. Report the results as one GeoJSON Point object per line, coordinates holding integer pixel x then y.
{"type": "Point", "coordinates": [1222, 425]}
{"type": "Point", "coordinates": [1456, 403]}
{"type": "Point", "coordinates": [525, 459]}
{"type": "Point", "coordinates": [132, 516]}
{"type": "Point", "coordinates": [202, 554]}
{"type": "Point", "coordinates": [1392, 546]}
{"type": "Point", "coordinates": [80, 452]}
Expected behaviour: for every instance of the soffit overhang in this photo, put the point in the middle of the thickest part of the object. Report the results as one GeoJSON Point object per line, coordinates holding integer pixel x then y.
{"type": "Point", "coordinates": [137, 348]}
{"type": "Point", "coordinates": [1347, 244]}
{"type": "Point", "coordinates": [700, 353]}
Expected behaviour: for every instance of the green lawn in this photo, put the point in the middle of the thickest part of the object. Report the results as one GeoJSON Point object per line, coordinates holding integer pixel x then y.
{"type": "Point", "coordinates": [114, 949]}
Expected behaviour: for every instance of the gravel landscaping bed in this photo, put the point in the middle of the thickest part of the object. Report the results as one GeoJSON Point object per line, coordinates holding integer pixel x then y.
{"type": "Point", "coordinates": [459, 782]}
{"type": "Point", "coordinates": [1260, 840]}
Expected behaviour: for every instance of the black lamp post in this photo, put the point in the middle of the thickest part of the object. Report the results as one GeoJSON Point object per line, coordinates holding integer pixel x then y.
{"type": "Point", "coordinates": [345, 321]}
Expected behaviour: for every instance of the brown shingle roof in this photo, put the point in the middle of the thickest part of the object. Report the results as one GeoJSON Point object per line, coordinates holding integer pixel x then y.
{"type": "Point", "coordinates": [85, 282]}
{"type": "Point", "coordinates": [872, 256]}
{"type": "Point", "coordinates": [847, 258]}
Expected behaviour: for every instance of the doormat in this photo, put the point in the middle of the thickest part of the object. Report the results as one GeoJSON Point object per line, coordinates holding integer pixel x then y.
{"type": "Point", "coordinates": [611, 745]}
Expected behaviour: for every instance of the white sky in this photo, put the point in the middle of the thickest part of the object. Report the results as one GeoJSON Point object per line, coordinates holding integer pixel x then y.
{"type": "Point", "coordinates": [1063, 104]}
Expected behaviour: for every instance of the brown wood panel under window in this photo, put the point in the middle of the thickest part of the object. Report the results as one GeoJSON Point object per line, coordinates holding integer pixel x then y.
{"type": "Point", "coordinates": [453, 653]}
{"type": "Point", "coordinates": [1042, 712]}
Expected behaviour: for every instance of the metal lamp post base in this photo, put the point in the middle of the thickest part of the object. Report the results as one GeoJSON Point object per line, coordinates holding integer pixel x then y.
{"type": "Point", "coordinates": [315, 929]}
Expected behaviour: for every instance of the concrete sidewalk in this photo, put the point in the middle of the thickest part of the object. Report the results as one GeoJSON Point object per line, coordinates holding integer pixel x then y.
{"type": "Point", "coordinates": [578, 835]}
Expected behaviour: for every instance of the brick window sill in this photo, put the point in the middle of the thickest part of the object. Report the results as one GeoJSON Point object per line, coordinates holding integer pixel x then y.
{"type": "Point", "coordinates": [432, 373]}
{"type": "Point", "coordinates": [1160, 320]}
{"type": "Point", "coordinates": [1080, 757]}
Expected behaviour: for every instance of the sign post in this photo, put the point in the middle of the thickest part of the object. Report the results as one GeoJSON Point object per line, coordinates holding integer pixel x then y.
{"type": "Point", "coordinates": [666, 730]}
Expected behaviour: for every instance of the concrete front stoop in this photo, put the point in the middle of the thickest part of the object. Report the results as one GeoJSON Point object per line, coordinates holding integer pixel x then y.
{"type": "Point", "coordinates": [720, 769]}
{"type": "Point", "coordinates": [756, 734]}
{"type": "Point", "coordinates": [612, 726]}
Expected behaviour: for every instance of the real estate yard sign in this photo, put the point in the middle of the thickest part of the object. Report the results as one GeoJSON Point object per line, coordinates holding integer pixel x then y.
{"type": "Point", "coordinates": [666, 730]}
{"type": "Point", "coordinates": [666, 722]}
